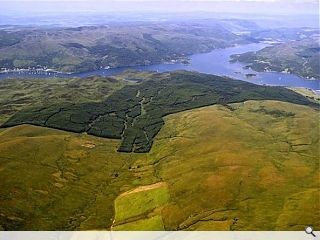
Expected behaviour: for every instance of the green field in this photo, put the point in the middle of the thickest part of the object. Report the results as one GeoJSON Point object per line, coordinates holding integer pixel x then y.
{"type": "Point", "coordinates": [140, 203]}
{"type": "Point", "coordinates": [149, 224]}
{"type": "Point", "coordinates": [141, 208]}
{"type": "Point", "coordinates": [244, 166]}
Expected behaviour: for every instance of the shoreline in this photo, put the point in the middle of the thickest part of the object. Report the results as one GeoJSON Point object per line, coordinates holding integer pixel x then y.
{"type": "Point", "coordinates": [199, 62]}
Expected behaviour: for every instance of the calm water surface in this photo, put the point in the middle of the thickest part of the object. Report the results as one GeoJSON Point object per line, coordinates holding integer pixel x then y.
{"type": "Point", "coordinates": [215, 62]}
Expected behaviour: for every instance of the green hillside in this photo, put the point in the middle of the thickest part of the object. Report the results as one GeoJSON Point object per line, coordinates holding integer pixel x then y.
{"type": "Point", "coordinates": [135, 112]}
{"type": "Point", "coordinates": [240, 167]}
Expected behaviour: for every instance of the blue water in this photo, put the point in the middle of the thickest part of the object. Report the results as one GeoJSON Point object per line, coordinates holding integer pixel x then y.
{"type": "Point", "coordinates": [215, 62]}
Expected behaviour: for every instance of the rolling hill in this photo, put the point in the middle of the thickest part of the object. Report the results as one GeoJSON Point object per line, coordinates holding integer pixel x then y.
{"type": "Point", "coordinates": [88, 48]}
{"type": "Point", "coordinates": [135, 112]}
{"type": "Point", "coordinates": [213, 168]}
{"type": "Point", "coordinates": [298, 57]}
{"type": "Point", "coordinates": [225, 152]}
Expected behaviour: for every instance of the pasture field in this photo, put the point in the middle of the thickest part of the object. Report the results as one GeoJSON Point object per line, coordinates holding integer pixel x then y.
{"type": "Point", "coordinates": [141, 208]}
{"type": "Point", "coordinates": [149, 224]}
{"type": "Point", "coordinates": [140, 202]}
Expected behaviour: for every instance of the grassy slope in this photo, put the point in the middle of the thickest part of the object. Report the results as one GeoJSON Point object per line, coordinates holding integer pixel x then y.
{"type": "Point", "coordinates": [224, 169]}
{"type": "Point", "coordinates": [240, 168]}
{"type": "Point", "coordinates": [139, 203]}
{"type": "Point", "coordinates": [141, 209]}
{"type": "Point", "coordinates": [153, 223]}
{"type": "Point", "coordinates": [56, 180]}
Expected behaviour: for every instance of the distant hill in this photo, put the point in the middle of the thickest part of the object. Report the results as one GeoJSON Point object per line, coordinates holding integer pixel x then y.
{"type": "Point", "coordinates": [94, 47]}
{"type": "Point", "coordinates": [284, 34]}
{"type": "Point", "coordinates": [298, 57]}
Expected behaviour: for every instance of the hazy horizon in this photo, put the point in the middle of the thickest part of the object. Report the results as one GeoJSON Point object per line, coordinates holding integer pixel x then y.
{"type": "Point", "coordinates": [270, 13]}
{"type": "Point", "coordinates": [265, 7]}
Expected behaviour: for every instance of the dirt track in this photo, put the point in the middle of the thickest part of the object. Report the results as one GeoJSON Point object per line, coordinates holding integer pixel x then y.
{"type": "Point", "coordinates": [144, 188]}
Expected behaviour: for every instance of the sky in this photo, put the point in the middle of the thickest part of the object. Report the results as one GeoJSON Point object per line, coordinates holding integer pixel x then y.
{"type": "Point", "coordinates": [272, 7]}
